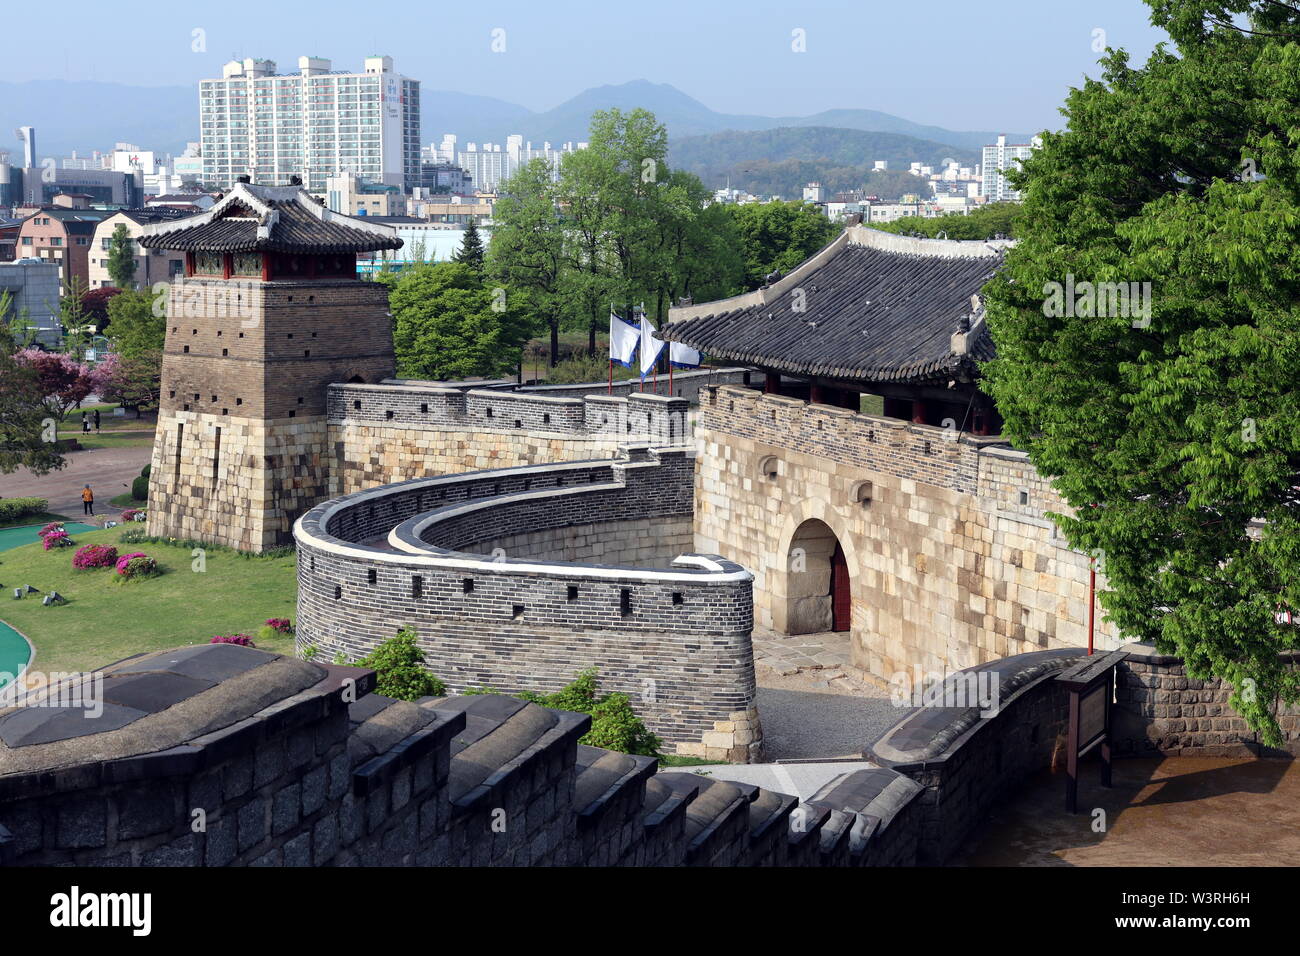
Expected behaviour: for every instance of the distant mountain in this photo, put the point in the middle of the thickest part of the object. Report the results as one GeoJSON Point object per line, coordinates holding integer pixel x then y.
{"type": "Point", "coordinates": [686, 116]}
{"type": "Point", "coordinates": [713, 155]}
{"type": "Point", "coordinates": [86, 115]}
{"type": "Point", "coordinates": [781, 161]}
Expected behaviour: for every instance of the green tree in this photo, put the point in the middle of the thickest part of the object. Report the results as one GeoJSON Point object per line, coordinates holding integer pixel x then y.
{"type": "Point", "coordinates": [778, 236]}
{"type": "Point", "coordinates": [448, 325]}
{"type": "Point", "coordinates": [16, 322]}
{"type": "Point", "coordinates": [614, 724]}
{"type": "Point", "coordinates": [132, 381]}
{"type": "Point", "coordinates": [984, 222]}
{"type": "Point", "coordinates": [73, 314]}
{"type": "Point", "coordinates": [121, 258]}
{"type": "Point", "coordinates": [590, 282]}
{"type": "Point", "coordinates": [1174, 431]}
{"type": "Point", "coordinates": [27, 430]}
{"type": "Point", "coordinates": [527, 249]}
{"type": "Point", "coordinates": [137, 322]}
{"type": "Point", "coordinates": [470, 252]}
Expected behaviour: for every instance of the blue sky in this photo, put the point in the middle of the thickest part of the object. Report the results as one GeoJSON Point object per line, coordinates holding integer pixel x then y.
{"type": "Point", "coordinates": [979, 64]}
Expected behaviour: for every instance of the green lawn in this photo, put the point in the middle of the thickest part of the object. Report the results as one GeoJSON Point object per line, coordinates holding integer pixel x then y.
{"type": "Point", "coordinates": [104, 621]}
{"type": "Point", "coordinates": [107, 440]}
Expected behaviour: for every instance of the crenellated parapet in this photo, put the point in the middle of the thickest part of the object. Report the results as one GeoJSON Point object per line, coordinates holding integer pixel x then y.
{"type": "Point", "coordinates": [518, 578]}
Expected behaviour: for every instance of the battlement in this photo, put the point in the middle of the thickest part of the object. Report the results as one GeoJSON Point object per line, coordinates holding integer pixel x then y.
{"type": "Point", "coordinates": [232, 756]}
{"type": "Point", "coordinates": [638, 416]}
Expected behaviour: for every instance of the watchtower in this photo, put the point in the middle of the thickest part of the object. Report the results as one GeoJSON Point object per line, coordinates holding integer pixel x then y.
{"type": "Point", "coordinates": [268, 313]}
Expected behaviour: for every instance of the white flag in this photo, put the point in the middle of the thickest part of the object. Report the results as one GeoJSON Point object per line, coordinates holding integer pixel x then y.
{"type": "Point", "coordinates": [651, 346]}
{"type": "Point", "coordinates": [683, 356]}
{"type": "Point", "coordinates": [623, 340]}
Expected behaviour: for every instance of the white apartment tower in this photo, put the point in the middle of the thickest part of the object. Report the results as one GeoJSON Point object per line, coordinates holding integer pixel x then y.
{"type": "Point", "coordinates": [315, 123]}
{"type": "Point", "coordinates": [996, 160]}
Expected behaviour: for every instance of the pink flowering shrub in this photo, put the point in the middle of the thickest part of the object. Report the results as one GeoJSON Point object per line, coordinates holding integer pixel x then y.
{"type": "Point", "coordinates": [56, 539]}
{"type": "Point", "coordinates": [281, 625]}
{"type": "Point", "coordinates": [133, 514]}
{"type": "Point", "coordinates": [243, 640]}
{"type": "Point", "coordinates": [50, 528]}
{"type": "Point", "coordinates": [136, 565]}
{"type": "Point", "coordinates": [95, 556]}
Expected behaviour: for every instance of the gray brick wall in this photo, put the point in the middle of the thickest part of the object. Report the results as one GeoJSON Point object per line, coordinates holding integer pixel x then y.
{"type": "Point", "coordinates": [676, 640]}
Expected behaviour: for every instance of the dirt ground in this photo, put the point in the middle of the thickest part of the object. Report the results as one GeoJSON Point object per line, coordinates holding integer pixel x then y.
{"type": "Point", "coordinates": [1179, 811]}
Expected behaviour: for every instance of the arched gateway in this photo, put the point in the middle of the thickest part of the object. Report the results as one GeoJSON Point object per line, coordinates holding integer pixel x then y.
{"type": "Point", "coordinates": [818, 588]}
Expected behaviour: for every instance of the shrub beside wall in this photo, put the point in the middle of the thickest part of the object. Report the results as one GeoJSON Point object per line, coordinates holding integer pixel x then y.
{"type": "Point", "coordinates": [14, 509]}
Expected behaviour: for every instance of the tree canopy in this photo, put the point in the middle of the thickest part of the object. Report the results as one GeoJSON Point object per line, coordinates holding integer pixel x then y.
{"type": "Point", "coordinates": [121, 257]}
{"type": "Point", "coordinates": [614, 226]}
{"type": "Point", "coordinates": [27, 430]}
{"type": "Point", "coordinates": [1179, 422]}
{"type": "Point", "coordinates": [779, 236]}
{"type": "Point", "coordinates": [449, 325]}
{"type": "Point", "coordinates": [983, 222]}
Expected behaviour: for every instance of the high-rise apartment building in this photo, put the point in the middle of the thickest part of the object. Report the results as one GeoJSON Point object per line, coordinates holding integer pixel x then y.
{"type": "Point", "coordinates": [996, 160]}
{"type": "Point", "coordinates": [315, 123]}
{"type": "Point", "coordinates": [489, 165]}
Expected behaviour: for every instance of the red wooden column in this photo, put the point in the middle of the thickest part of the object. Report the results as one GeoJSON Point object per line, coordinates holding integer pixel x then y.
{"type": "Point", "coordinates": [816, 394]}
{"type": "Point", "coordinates": [772, 383]}
{"type": "Point", "coordinates": [918, 412]}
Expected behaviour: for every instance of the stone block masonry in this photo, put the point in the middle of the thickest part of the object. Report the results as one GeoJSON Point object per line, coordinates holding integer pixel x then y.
{"type": "Point", "coordinates": [1164, 711]}
{"type": "Point", "coordinates": [235, 481]}
{"type": "Point", "coordinates": [417, 554]}
{"type": "Point", "coordinates": [951, 560]}
{"type": "Point", "coordinates": [242, 445]}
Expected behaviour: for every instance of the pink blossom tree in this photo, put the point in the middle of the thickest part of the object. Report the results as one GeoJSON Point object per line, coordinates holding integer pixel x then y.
{"type": "Point", "coordinates": [62, 380]}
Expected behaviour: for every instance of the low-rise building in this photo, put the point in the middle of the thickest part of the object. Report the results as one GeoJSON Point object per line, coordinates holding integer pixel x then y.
{"type": "Point", "coordinates": [151, 265]}
{"type": "Point", "coordinates": [34, 288]}
{"type": "Point", "coordinates": [61, 233]}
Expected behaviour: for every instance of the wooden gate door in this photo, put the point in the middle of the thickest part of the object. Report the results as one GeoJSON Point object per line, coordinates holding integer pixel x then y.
{"type": "Point", "coordinates": [841, 600]}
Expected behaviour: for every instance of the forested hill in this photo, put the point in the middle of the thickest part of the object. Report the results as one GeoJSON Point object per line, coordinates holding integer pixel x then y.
{"type": "Point", "coordinates": [780, 161]}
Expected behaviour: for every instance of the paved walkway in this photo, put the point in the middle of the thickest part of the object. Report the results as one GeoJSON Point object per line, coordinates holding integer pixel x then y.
{"type": "Point", "coordinates": [811, 702]}
{"type": "Point", "coordinates": [787, 655]}
{"type": "Point", "coordinates": [108, 471]}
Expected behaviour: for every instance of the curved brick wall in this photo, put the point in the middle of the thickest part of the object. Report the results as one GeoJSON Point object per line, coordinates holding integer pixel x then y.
{"type": "Point", "coordinates": [675, 639]}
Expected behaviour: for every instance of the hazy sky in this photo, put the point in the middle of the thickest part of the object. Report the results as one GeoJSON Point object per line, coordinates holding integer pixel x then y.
{"type": "Point", "coordinates": [980, 64]}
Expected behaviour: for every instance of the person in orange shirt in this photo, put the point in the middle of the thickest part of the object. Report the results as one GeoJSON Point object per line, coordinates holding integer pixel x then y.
{"type": "Point", "coordinates": [87, 500]}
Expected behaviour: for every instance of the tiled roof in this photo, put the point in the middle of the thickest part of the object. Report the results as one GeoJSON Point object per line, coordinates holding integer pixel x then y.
{"type": "Point", "coordinates": [872, 306]}
{"type": "Point", "coordinates": [270, 219]}
{"type": "Point", "coordinates": [144, 217]}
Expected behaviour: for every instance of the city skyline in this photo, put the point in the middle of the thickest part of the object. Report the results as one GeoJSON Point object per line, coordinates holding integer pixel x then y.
{"type": "Point", "coordinates": [763, 59]}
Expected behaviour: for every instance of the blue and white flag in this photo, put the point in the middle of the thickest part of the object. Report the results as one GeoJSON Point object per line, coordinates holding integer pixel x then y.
{"type": "Point", "coordinates": [683, 356]}
{"type": "Point", "coordinates": [651, 346]}
{"type": "Point", "coordinates": [623, 340]}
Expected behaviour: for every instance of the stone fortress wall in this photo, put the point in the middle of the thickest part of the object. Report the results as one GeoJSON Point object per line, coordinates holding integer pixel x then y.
{"type": "Point", "coordinates": [951, 560]}
{"type": "Point", "coordinates": [418, 553]}
{"type": "Point", "coordinates": [386, 433]}
{"type": "Point", "coordinates": [292, 763]}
